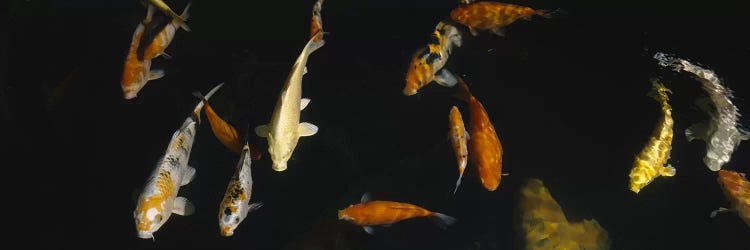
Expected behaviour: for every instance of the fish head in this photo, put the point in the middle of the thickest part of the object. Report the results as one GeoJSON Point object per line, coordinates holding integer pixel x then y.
{"type": "Point", "coordinates": [420, 72]}
{"type": "Point", "coordinates": [134, 78]}
{"type": "Point", "coordinates": [280, 153]}
{"type": "Point", "coordinates": [344, 215]}
{"type": "Point", "coordinates": [229, 219]}
{"type": "Point", "coordinates": [150, 214]}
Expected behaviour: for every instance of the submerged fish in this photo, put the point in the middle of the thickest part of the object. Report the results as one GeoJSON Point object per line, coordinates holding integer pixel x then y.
{"type": "Point", "coordinates": [137, 72]}
{"type": "Point", "coordinates": [156, 47]}
{"type": "Point", "coordinates": [224, 131]}
{"type": "Point", "coordinates": [373, 213]}
{"type": "Point", "coordinates": [721, 133]}
{"type": "Point", "coordinates": [316, 25]}
{"type": "Point", "coordinates": [161, 5]}
{"type": "Point", "coordinates": [650, 163]}
{"type": "Point", "coordinates": [484, 147]}
{"type": "Point", "coordinates": [284, 130]}
{"type": "Point", "coordinates": [427, 63]}
{"type": "Point", "coordinates": [159, 198]}
{"type": "Point", "coordinates": [492, 16]}
{"type": "Point", "coordinates": [459, 135]}
{"type": "Point", "coordinates": [236, 203]}
{"type": "Point", "coordinates": [737, 190]}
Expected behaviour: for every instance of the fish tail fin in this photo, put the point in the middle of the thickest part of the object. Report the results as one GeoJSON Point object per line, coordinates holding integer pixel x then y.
{"type": "Point", "coordinates": [463, 93]}
{"type": "Point", "coordinates": [442, 220]}
{"type": "Point", "coordinates": [185, 15]}
{"type": "Point", "coordinates": [199, 107]}
{"type": "Point", "coordinates": [552, 13]}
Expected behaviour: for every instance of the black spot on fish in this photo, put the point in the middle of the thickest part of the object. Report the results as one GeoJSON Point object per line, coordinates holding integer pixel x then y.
{"type": "Point", "coordinates": [150, 31]}
{"type": "Point", "coordinates": [227, 211]}
{"type": "Point", "coordinates": [431, 58]}
{"type": "Point", "coordinates": [434, 39]}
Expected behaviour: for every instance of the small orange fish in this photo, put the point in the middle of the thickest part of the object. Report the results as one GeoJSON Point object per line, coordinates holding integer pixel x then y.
{"type": "Point", "coordinates": [459, 135]}
{"type": "Point", "coordinates": [317, 22]}
{"type": "Point", "coordinates": [224, 131]}
{"type": "Point", "coordinates": [484, 147]}
{"type": "Point", "coordinates": [372, 213]}
{"type": "Point", "coordinates": [737, 190]}
{"type": "Point", "coordinates": [492, 16]}
{"type": "Point", "coordinates": [138, 71]}
{"type": "Point", "coordinates": [160, 42]}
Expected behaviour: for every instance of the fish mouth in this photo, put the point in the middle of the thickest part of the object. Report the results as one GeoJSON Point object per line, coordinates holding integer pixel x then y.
{"type": "Point", "coordinates": [145, 235]}
{"type": "Point", "coordinates": [130, 95]}
{"type": "Point", "coordinates": [279, 167]}
{"type": "Point", "coordinates": [226, 231]}
{"type": "Point", "coordinates": [409, 92]}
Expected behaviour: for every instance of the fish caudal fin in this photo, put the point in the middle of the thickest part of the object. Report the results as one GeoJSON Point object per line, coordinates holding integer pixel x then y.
{"type": "Point", "coordinates": [199, 107]}
{"type": "Point", "coordinates": [182, 206]}
{"type": "Point", "coordinates": [442, 220]}
{"type": "Point", "coordinates": [552, 13]}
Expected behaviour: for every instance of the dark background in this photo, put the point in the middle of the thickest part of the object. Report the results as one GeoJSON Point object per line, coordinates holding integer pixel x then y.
{"type": "Point", "coordinates": [566, 95]}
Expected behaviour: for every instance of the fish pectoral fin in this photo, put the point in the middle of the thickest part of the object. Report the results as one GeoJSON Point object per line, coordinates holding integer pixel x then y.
{"type": "Point", "coordinates": [155, 74]}
{"type": "Point", "coordinates": [370, 230]}
{"type": "Point", "coordinates": [466, 133]}
{"type": "Point", "coordinates": [262, 131]}
{"type": "Point", "coordinates": [473, 31]}
{"type": "Point", "coordinates": [307, 129]}
{"type": "Point", "coordinates": [720, 210]}
{"type": "Point", "coordinates": [668, 171]}
{"type": "Point", "coordinates": [188, 175]}
{"type": "Point", "coordinates": [499, 31]}
{"type": "Point", "coordinates": [697, 131]}
{"type": "Point", "coordinates": [183, 206]}
{"type": "Point", "coordinates": [252, 207]}
{"type": "Point", "coordinates": [166, 56]}
{"type": "Point", "coordinates": [303, 103]}
{"type": "Point", "coordinates": [446, 78]}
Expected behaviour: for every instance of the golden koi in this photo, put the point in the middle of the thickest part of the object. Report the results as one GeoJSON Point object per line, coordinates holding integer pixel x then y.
{"type": "Point", "coordinates": [137, 72]}
{"type": "Point", "coordinates": [236, 203]}
{"type": "Point", "coordinates": [159, 200]}
{"type": "Point", "coordinates": [459, 135]}
{"type": "Point", "coordinates": [316, 25]}
{"type": "Point", "coordinates": [161, 5]}
{"type": "Point", "coordinates": [427, 63]}
{"type": "Point", "coordinates": [492, 16]}
{"type": "Point", "coordinates": [160, 42]}
{"type": "Point", "coordinates": [484, 147]}
{"type": "Point", "coordinates": [372, 213]}
{"type": "Point", "coordinates": [284, 130]}
{"type": "Point", "coordinates": [650, 163]}
{"type": "Point", "coordinates": [737, 190]}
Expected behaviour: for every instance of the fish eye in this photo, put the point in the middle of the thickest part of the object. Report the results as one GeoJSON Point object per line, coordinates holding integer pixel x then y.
{"type": "Point", "coordinates": [236, 220]}
{"type": "Point", "coordinates": [157, 219]}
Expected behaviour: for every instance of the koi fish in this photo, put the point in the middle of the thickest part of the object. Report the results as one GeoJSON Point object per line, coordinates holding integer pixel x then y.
{"type": "Point", "coordinates": [284, 130]}
{"type": "Point", "coordinates": [317, 22]}
{"type": "Point", "coordinates": [721, 132]}
{"type": "Point", "coordinates": [737, 190]}
{"type": "Point", "coordinates": [137, 72]}
{"type": "Point", "coordinates": [156, 47]}
{"type": "Point", "coordinates": [484, 147]}
{"type": "Point", "coordinates": [159, 198]}
{"type": "Point", "coordinates": [373, 213]}
{"type": "Point", "coordinates": [492, 16]}
{"type": "Point", "coordinates": [459, 135]}
{"type": "Point", "coordinates": [649, 164]}
{"type": "Point", "coordinates": [224, 131]}
{"type": "Point", "coordinates": [427, 63]}
{"type": "Point", "coordinates": [161, 5]}
{"type": "Point", "coordinates": [236, 203]}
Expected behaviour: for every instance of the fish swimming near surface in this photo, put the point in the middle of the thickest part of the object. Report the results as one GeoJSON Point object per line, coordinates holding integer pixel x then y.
{"type": "Point", "coordinates": [737, 190]}
{"type": "Point", "coordinates": [493, 16]}
{"type": "Point", "coordinates": [459, 135]}
{"type": "Point", "coordinates": [159, 200]}
{"type": "Point", "coordinates": [161, 5]}
{"type": "Point", "coordinates": [138, 72]}
{"type": "Point", "coordinates": [722, 132]}
{"type": "Point", "coordinates": [156, 46]}
{"type": "Point", "coordinates": [316, 25]}
{"type": "Point", "coordinates": [427, 63]}
{"type": "Point", "coordinates": [224, 131]}
{"type": "Point", "coordinates": [284, 130]}
{"type": "Point", "coordinates": [383, 213]}
{"type": "Point", "coordinates": [236, 203]}
{"type": "Point", "coordinates": [485, 150]}
{"type": "Point", "coordinates": [650, 163]}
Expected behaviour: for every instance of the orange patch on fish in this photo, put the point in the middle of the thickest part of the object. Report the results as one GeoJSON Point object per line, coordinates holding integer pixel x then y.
{"type": "Point", "coordinates": [382, 212]}
{"type": "Point", "coordinates": [737, 190]}
{"type": "Point", "coordinates": [487, 15]}
{"type": "Point", "coordinates": [165, 187]}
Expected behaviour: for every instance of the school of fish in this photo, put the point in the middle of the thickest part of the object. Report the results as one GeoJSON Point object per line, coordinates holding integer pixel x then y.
{"type": "Point", "coordinates": [476, 144]}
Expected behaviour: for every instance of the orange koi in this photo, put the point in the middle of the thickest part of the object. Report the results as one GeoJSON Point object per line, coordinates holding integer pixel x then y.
{"type": "Point", "coordinates": [138, 71]}
{"type": "Point", "coordinates": [459, 135]}
{"type": "Point", "coordinates": [317, 22]}
{"type": "Point", "coordinates": [493, 16]}
{"type": "Point", "coordinates": [737, 190]}
{"type": "Point", "coordinates": [484, 147]}
{"type": "Point", "coordinates": [224, 131]}
{"type": "Point", "coordinates": [372, 213]}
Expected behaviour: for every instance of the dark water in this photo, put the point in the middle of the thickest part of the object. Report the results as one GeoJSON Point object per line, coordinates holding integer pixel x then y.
{"type": "Point", "coordinates": [566, 95]}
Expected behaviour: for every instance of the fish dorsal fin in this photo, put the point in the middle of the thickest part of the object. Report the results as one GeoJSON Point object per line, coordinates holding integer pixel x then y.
{"type": "Point", "coordinates": [365, 198]}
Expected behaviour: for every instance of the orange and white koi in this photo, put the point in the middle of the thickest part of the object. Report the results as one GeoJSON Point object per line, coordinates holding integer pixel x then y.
{"type": "Point", "coordinates": [427, 63]}
{"type": "Point", "coordinates": [459, 135]}
{"type": "Point", "coordinates": [138, 71]}
{"type": "Point", "coordinates": [156, 47]}
{"type": "Point", "coordinates": [159, 200]}
{"type": "Point", "coordinates": [492, 16]}
{"type": "Point", "coordinates": [236, 203]}
{"type": "Point", "coordinates": [161, 5]}
{"type": "Point", "coordinates": [317, 22]}
{"type": "Point", "coordinates": [737, 190]}
{"type": "Point", "coordinates": [652, 161]}
{"type": "Point", "coordinates": [484, 147]}
{"type": "Point", "coordinates": [373, 213]}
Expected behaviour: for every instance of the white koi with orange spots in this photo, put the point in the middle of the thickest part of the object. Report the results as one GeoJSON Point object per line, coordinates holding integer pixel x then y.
{"type": "Point", "coordinates": [236, 203]}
